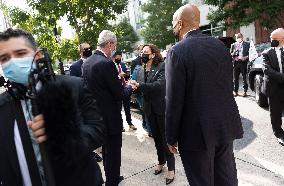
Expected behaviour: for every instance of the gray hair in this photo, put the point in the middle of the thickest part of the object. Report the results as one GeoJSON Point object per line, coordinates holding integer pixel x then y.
{"type": "Point", "coordinates": [105, 37]}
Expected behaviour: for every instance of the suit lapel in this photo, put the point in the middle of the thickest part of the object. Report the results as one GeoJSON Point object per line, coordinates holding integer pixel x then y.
{"type": "Point", "coordinates": [274, 60]}
{"type": "Point", "coordinates": [152, 73]}
{"type": "Point", "coordinates": [7, 123]}
{"type": "Point", "coordinates": [27, 144]}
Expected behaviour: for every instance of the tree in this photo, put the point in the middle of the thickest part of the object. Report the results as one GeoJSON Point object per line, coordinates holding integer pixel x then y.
{"type": "Point", "coordinates": [158, 25]}
{"type": "Point", "coordinates": [126, 35]}
{"type": "Point", "coordinates": [87, 17]}
{"type": "Point", "coordinates": [236, 13]}
{"type": "Point", "coordinates": [40, 27]}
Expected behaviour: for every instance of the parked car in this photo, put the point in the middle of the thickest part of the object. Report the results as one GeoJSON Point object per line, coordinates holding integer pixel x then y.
{"type": "Point", "coordinates": [255, 74]}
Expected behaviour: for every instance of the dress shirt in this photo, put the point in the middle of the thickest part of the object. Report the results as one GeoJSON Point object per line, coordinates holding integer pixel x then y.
{"type": "Point", "coordinates": [278, 53]}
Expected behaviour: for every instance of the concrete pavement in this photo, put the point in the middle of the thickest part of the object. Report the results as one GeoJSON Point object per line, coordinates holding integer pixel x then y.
{"type": "Point", "coordinates": [139, 159]}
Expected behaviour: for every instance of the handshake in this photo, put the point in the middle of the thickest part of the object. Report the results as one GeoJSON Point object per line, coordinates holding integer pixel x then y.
{"type": "Point", "coordinates": [134, 85]}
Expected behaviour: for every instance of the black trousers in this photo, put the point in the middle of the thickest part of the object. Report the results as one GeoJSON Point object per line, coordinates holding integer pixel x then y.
{"type": "Point", "coordinates": [157, 125]}
{"type": "Point", "coordinates": [112, 159]}
{"type": "Point", "coordinates": [240, 67]}
{"type": "Point", "coordinates": [213, 167]}
{"type": "Point", "coordinates": [276, 107]}
{"type": "Point", "coordinates": [126, 106]}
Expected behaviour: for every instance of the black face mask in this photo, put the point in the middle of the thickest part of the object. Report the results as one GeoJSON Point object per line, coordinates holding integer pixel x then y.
{"type": "Point", "coordinates": [87, 52]}
{"type": "Point", "coordinates": [145, 58]}
{"type": "Point", "coordinates": [117, 61]}
{"type": "Point", "coordinates": [274, 43]}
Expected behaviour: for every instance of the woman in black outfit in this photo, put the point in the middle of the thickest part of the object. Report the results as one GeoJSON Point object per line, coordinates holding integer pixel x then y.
{"type": "Point", "coordinates": [153, 90]}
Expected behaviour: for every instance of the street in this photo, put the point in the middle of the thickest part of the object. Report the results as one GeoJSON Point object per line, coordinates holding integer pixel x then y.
{"type": "Point", "coordinates": [259, 157]}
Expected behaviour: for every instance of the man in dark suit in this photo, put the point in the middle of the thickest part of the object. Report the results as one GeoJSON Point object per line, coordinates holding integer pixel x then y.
{"type": "Point", "coordinates": [121, 69]}
{"type": "Point", "coordinates": [101, 78]}
{"type": "Point", "coordinates": [240, 54]}
{"type": "Point", "coordinates": [201, 113]}
{"type": "Point", "coordinates": [137, 60]}
{"type": "Point", "coordinates": [85, 51]}
{"type": "Point", "coordinates": [73, 131]}
{"type": "Point", "coordinates": [274, 81]}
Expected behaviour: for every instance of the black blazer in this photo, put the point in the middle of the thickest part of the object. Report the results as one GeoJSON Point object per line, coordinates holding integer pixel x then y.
{"type": "Point", "coordinates": [101, 78]}
{"type": "Point", "coordinates": [200, 108]}
{"type": "Point", "coordinates": [245, 46]}
{"type": "Point", "coordinates": [154, 90]}
{"type": "Point", "coordinates": [73, 133]}
{"type": "Point", "coordinates": [75, 68]}
{"type": "Point", "coordinates": [273, 80]}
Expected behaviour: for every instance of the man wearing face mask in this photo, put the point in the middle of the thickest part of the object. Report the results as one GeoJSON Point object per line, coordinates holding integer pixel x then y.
{"type": "Point", "coordinates": [70, 125]}
{"type": "Point", "coordinates": [202, 117]}
{"type": "Point", "coordinates": [101, 79]}
{"type": "Point", "coordinates": [121, 68]}
{"type": "Point", "coordinates": [85, 51]}
{"type": "Point", "coordinates": [274, 81]}
{"type": "Point", "coordinates": [240, 54]}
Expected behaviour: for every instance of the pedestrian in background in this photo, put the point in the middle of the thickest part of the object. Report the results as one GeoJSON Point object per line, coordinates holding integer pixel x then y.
{"type": "Point", "coordinates": [274, 81]}
{"type": "Point", "coordinates": [202, 116]}
{"type": "Point", "coordinates": [121, 68]}
{"type": "Point", "coordinates": [240, 54]}
{"type": "Point", "coordinates": [139, 76]}
{"type": "Point", "coordinates": [85, 51]}
{"type": "Point", "coordinates": [153, 89]}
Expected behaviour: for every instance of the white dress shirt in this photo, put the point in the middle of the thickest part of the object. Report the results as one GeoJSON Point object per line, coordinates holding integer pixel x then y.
{"type": "Point", "coordinates": [278, 53]}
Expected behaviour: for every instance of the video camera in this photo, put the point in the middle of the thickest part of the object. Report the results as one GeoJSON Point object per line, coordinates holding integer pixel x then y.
{"type": "Point", "coordinates": [235, 53]}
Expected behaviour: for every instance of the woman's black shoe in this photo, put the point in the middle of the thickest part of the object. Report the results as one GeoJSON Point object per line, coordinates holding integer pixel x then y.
{"type": "Point", "coordinates": [169, 181]}
{"type": "Point", "coordinates": [158, 172]}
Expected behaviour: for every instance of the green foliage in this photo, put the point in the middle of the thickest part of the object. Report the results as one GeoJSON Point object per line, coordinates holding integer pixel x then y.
{"type": "Point", "coordinates": [87, 17]}
{"type": "Point", "coordinates": [238, 13]}
{"type": "Point", "coordinates": [126, 35]}
{"type": "Point", "coordinates": [158, 25]}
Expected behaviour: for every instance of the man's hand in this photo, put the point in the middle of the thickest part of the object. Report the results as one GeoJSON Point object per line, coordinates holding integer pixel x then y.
{"type": "Point", "coordinates": [122, 74]}
{"type": "Point", "coordinates": [173, 148]}
{"type": "Point", "coordinates": [37, 126]}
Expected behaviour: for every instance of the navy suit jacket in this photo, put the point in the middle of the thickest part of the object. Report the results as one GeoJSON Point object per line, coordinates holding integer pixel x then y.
{"type": "Point", "coordinates": [200, 108]}
{"type": "Point", "coordinates": [75, 68]}
{"type": "Point", "coordinates": [101, 78]}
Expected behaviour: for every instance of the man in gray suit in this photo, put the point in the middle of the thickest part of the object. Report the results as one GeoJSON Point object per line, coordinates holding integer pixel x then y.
{"type": "Point", "coordinates": [201, 113]}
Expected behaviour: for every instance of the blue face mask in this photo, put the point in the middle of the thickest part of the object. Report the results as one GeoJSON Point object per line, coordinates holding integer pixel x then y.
{"type": "Point", "coordinates": [18, 69]}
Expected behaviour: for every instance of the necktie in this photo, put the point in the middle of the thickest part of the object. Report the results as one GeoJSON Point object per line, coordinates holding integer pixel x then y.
{"type": "Point", "coordinates": [282, 59]}
{"type": "Point", "coordinates": [35, 145]}
{"type": "Point", "coordinates": [122, 78]}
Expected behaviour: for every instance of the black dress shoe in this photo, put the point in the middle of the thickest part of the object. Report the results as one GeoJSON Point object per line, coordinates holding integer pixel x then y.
{"type": "Point", "coordinates": [158, 172]}
{"type": "Point", "coordinates": [169, 181]}
{"type": "Point", "coordinates": [280, 140]}
{"type": "Point", "coordinates": [97, 157]}
{"type": "Point", "coordinates": [120, 179]}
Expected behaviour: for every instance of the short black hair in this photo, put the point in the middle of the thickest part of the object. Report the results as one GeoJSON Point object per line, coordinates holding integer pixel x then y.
{"type": "Point", "coordinates": [117, 53]}
{"type": "Point", "coordinates": [15, 33]}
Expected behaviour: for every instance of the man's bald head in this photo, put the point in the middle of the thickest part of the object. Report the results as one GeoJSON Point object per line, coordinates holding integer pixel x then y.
{"type": "Point", "coordinates": [278, 35]}
{"type": "Point", "coordinates": [279, 32]}
{"type": "Point", "coordinates": [186, 18]}
{"type": "Point", "coordinates": [189, 15]}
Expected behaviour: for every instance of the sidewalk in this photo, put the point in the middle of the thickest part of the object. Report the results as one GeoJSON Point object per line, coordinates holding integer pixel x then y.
{"type": "Point", "coordinates": [139, 159]}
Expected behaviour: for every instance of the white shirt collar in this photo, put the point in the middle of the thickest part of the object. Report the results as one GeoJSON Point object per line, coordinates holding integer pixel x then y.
{"type": "Point", "coordinates": [189, 31]}
{"type": "Point", "coordinates": [102, 52]}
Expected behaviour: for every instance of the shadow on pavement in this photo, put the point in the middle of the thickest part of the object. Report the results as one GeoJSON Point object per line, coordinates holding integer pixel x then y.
{"type": "Point", "coordinates": [248, 137]}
